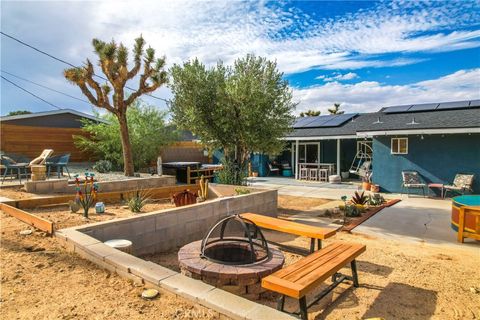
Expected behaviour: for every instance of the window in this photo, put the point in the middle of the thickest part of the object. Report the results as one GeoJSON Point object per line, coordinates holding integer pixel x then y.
{"type": "Point", "coordinates": [399, 146]}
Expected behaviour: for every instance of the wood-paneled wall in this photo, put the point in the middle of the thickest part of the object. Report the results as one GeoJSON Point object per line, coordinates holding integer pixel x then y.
{"type": "Point", "coordinates": [30, 141]}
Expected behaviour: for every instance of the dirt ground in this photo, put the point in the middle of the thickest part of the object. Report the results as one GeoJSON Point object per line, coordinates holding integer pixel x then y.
{"type": "Point", "coordinates": [63, 218]}
{"type": "Point", "coordinates": [16, 193]}
{"type": "Point", "coordinates": [290, 205]}
{"type": "Point", "coordinates": [40, 280]}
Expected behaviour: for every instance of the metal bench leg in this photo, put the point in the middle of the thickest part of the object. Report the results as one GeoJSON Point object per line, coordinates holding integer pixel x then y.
{"type": "Point", "coordinates": [19, 175]}
{"type": "Point", "coordinates": [66, 168]}
{"type": "Point", "coordinates": [312, 245]}
{"type": "Point", "coordinates": [353, 265]}
{"type": "Point", "coordinates": [5, 175]}
{"type": "Point", "coordinates": [319, 244]}
{"type": "Point", "coordinates": [281, 303]}
{"type": "Point", "coordinates": [303, 308]}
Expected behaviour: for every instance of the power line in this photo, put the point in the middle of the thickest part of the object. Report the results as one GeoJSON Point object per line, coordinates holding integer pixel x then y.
{"type": "Point", "coordinates": [68, 63]}
{"type": "Point", "coordinates": [41, 85]}
{"type": "Point", "coordinates": [33, 94]}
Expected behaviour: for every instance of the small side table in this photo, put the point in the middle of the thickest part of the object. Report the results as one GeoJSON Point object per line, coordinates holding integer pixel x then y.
{"type": "Point", "coordinates": [438, 186]}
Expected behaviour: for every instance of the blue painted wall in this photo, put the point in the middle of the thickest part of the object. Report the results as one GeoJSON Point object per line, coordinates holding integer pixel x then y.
{"type": "Point", "coordinates": [436, 158]}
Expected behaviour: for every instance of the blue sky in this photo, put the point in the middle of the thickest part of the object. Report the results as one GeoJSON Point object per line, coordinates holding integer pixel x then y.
{"type": "Point", "coordinates": [365, 55]}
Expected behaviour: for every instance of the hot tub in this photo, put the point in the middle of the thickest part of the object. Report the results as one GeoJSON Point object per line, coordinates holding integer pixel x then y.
{"type": "Point", "coordinates": [470, 221]}
{"type": "Point", "coordinates": [179, 169]}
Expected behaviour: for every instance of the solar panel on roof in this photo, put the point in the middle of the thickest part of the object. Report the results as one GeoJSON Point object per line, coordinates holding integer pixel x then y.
{"type": "Point", "coordinates": [453, 105]}
{"type": "Point", "coordinates": [339, 120]}
{"type": "Point", "coordinates": [319, 121]}
{"type": "Point", "coordinates": [423, 107]}
{"type": "Point", "coordinates": [300, 122]}
{"type": "Point", "coordinates": [475, 103]}
{"type": "Point", "coordinates": [394, 109]}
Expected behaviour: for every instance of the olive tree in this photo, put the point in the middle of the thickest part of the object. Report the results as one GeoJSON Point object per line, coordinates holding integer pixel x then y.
{"type": "Point", "coordinates": [113, 60]}
{"type": "Point", "coordinates": [240, 109]}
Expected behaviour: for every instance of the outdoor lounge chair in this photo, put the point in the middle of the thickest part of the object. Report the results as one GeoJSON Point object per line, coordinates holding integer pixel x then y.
{"type": "Point", "coordinates": [9, 164]}
{"type": "Point", "coordinates": [42, 158]}
{"type": "Point", "coordinates": [411, 180]}
{"type": "Point", "coordinates": [273, 169]}
{"type": "Point", "coordinates": [59, 163]}
{"type": "Point", "coordinates": [461, 184]}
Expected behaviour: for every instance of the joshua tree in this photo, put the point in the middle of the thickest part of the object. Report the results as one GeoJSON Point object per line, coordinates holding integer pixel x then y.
{"type": "Point", "coordinates": [310, 113]}
{"type": "Point", "coordinates": [336, 109]}
{"type": "Point", "coordinates": [113, 60]}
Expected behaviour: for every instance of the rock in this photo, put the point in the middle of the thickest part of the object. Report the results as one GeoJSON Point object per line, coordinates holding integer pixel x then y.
{"type": "Point", "coordinates": [149, 294]}
{"type": "Point", "coordinates": [26, 232]}
{"type": "Point", "coordinates": [474, 290]}
{"type": "Point", "coordinates": [39, 265]}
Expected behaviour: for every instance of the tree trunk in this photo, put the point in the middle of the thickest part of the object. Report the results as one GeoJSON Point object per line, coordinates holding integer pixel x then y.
{"type": "Point", "coordinates": [126, 147]}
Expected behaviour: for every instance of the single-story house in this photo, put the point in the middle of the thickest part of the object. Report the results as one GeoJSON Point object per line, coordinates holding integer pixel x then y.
{"type": "Point", "coordinates": [29, 134]}
{"type": "Point", "coordinates": [438, 140]}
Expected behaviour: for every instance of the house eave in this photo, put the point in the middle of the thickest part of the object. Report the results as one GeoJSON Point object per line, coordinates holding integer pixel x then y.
{"type": "Point", "coordinates": [418, 131]}
{"type": "Point", "coordinates": [320, 138]}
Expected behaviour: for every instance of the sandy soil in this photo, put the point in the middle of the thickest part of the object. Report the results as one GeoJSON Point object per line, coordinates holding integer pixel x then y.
{"type": "Point", "coordinates": [290, 205]}
{"type": "Point", "coordinates": [16, 193]}
{"type": "Point", "coordinates": [40, 280]}
{"type": "Point", "coordinates": [63, 218]}
{"type": "Point", "coordinates": [397, 281]}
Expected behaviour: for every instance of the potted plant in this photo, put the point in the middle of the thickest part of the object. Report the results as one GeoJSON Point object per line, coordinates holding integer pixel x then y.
{"type": "Point", "coordinates": [366, 182]}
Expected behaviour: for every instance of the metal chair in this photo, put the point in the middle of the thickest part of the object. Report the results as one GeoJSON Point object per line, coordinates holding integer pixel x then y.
{"type": "Point", "coordinates": [412, 180]}
{"type": "Point", "coordinates": [9, 164]}
{"type": "Point", "coordinates": [58, 162]}
{"type": "Point", "coordinates": [461, 184]}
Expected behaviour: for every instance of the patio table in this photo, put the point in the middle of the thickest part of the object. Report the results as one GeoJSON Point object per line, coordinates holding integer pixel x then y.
{"type": "Point", "coordinates": [438, 186]}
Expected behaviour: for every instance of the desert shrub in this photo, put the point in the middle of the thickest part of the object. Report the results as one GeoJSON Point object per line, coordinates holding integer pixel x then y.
{"type": "Point", "coordinates": [352, 211]}
{"type": "Point", "coordinates": [103, 166]}
{"type": "Point", "coordinates": [137, 200]}
{"type": "Point", "coordinates": [376, 200]}
{"type": "Point", "coordinates": [359, 198]}
{"type": "Point", "coordinates": [241, 190]}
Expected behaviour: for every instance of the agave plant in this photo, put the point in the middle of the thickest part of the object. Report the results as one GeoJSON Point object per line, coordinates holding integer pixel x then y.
{"type": "Point", "coordinates": [138, 200]}
{"type": "Point", "coordinates": [359, 198]}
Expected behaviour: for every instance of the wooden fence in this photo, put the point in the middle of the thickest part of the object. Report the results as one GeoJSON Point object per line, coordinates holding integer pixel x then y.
{"type": "Point", "coordinates": [30, 141]}
{"type": "Point", "coordinates": [196, 174]}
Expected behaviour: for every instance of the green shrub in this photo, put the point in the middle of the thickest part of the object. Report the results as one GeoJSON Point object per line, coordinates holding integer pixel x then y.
{"type": "Point", "coordinates": [103, 166]}
{"type": "Point", "coordinates": [147, 130]}
{"type": "Point", "coordinates": [231, 174]}
{"type": "Point", "coordinates": [138, 200]}
{"type": "Point", "coordinates": [241, 190]}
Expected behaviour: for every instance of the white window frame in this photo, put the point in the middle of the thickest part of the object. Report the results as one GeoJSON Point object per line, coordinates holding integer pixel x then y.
{"type": "Point", "coordinates": [396, 141]}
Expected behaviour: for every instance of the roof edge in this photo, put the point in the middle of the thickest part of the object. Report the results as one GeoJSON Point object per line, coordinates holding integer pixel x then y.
{"type": "Point", "coordinates": [49, 113]}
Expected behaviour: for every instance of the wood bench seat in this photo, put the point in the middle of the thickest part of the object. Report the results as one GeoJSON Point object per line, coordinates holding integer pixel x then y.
{"type": "Point", "coordinates": [303, 276]}
{"type": "Point", "coordinates": [299, 229]}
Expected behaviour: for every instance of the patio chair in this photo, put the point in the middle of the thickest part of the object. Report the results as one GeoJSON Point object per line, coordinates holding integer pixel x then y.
{"type": "Point", "coordinates": [59, 163]}
{"type": "Point", "coordinates": [9, 164]}
{"type": "Point", "coordinates": [411, 180]}
{"type": "Point", "coordinates": [42, 157]}
{"type": "Point", "coordinates": [273, 169]}
{"type": "Point", "coordinates": [461, 184]}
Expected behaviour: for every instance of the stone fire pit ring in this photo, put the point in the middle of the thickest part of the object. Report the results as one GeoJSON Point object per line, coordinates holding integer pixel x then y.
{"type": "Point", "coordinates": [243, 280]}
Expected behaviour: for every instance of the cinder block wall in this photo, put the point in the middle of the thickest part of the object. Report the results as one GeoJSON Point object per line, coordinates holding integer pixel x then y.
{"type": "Point", "coordinates": [166, 230]}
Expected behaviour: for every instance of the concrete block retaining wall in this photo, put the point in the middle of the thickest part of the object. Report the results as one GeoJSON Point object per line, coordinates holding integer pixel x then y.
{"type": "Point", "coordinates": [61, 185]}
{"type": "Point", "coordinates": [166, 230]}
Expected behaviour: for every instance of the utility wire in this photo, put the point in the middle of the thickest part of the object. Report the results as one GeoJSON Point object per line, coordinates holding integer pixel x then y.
{"type": "Point", "coordinates": [45, 87]}
{"type": "Point", "coordinates": [68, 63]}
{"type": "Point", "coordinates": [33, 94]}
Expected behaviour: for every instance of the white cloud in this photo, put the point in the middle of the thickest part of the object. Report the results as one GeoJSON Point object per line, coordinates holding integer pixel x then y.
{"type": "Point", "coordinates": [367, 96]}
{"type": "Point", "coordinates": [338, 77]}
{"type": "Point", "coordinates": [228, 29]}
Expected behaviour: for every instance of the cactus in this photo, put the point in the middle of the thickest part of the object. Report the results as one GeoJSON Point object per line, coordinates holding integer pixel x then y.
{"type": "Point", "coordinates": [203, 192]}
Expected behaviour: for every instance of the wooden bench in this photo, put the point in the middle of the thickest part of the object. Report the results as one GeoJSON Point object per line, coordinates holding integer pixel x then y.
{"type": "Point", "coordinates": [299, 229]}
{"type": "Point", "coordinates": [303, 276]}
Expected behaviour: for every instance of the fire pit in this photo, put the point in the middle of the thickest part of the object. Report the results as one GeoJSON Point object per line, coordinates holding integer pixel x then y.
{"type": "Point", "coordinates": [233, 256]}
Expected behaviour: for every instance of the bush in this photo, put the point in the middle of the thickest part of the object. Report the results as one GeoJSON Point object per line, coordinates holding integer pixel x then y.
{"type": "Point", "coordinates": [241, 190]}
{"type": "Point", "coordinates": [103, 166]}
{"type": "Point", "coordinates": [231, 174]}
{"type": "Point", "coordinates": [138, 200]}
{"type": "Point", "coordinates": [147, 130]}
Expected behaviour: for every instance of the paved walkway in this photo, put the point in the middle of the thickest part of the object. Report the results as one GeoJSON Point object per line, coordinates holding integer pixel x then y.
{"type": "Point", "coordinates": [414, 219]}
